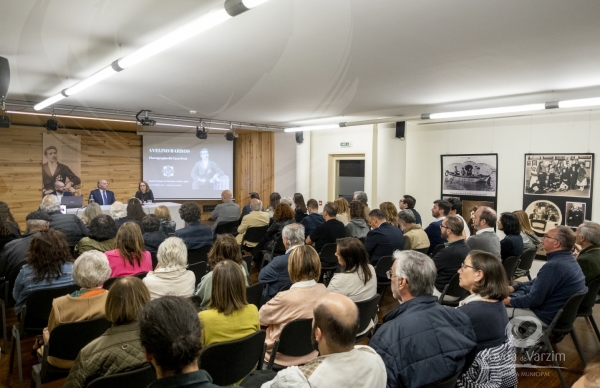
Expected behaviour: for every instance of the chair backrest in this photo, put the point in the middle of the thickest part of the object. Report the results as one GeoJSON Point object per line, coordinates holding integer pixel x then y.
{"type": "Point", "coordinates": [141, 377]}
{"type": "Point", "coordinates": [366, 311]}
{"type": "Point", "coordinates": [254, 234]}
{"type": "Point", "coordinates": [295, 338]}
{"type": "Point", "coordinates": [9, 284]}
{"type": "Point", "coordinates": [563, 321]}
{"type": "Point", "coordinates": [198, 255]}
{"type": "Point", "coordinates": [422, 250]}
{"type": "Point", "coordinates": [454, 289]}
{"type": "Point", "coordinates": [327, 253]}
{"type": "Point", "coordinates": [588, 302]}
{"type": "Point", "coordinates": [140, 275]}
{"type": "Point", "coordinates": [285, 287]}
{"type": "Point", "coordinates": [248, 260]}
{"type": "Point", "coordinates": [254, 294]}
{"type": "Point", "coordinates": [39, 305]}
{"type": "Point", "coordinates": [109, 282]}
{"type": "Point", "coordinates": [362, 239]}
{"type": "Point", "coordinates": [279, 247]}
{"type": "Point", "coordinates": [383, 265]}
{"type": "Point", "coordinates": [199, 269]}
{"type": "Point", "coordinates": [68, 339]}
{"type": "Point", "coordinates": [154, 256]}
{"type": "Point", "coordinates": [437, 249]}
{"type": "Point", "coordinates": [510, 266]}
{"type": "Point", "coordinates": [527, 259]}
{"type": "Point", "coordinates": [447, 383]}
{"type": "Point", "coordinates": [229, 227]}
{"type": "Point", "coordinates": [228, 362]}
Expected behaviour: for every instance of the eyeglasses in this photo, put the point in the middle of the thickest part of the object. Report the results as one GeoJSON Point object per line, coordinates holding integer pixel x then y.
{"type": "Point", "coordinates": [444, 226]}
{"type": "Point", "coordinates": [464, 266]}
{"type": "Point", "coordinates": [389, 274]}
{"type": "Point", "coordinates": [546, 236]}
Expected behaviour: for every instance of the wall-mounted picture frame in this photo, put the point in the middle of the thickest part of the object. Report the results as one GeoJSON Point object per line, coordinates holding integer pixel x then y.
{"type": "Point", "coordinates": [470, 175]}
{"type": "Point", "coordinates": [561, 175]}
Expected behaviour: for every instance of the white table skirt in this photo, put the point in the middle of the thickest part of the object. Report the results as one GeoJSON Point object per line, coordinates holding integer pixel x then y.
{"type": "Point", "coordinates": [148, 208]}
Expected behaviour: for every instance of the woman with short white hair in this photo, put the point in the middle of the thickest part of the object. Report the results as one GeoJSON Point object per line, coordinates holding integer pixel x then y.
{"type": "Point", "coordinates": [171, 277]}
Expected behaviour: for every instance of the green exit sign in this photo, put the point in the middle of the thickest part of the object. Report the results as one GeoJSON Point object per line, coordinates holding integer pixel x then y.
{"type": "Point", "coordinates": [345, 144]}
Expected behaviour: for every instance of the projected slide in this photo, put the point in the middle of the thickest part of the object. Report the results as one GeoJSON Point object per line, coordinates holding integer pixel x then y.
{"type": "Point", "coordinates": [180, 166]}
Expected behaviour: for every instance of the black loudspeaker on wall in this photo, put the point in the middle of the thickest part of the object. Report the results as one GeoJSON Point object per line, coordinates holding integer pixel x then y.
{"type": "Point", "coordinates": [400, 129]}
{"type": "Point", "coordinates": [299, 137]}
{"type": "Point", "coordinates": [4, 77]}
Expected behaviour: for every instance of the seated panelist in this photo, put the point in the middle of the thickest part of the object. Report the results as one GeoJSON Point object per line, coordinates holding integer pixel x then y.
{"type": "Point", "coordinates": [101, 195]}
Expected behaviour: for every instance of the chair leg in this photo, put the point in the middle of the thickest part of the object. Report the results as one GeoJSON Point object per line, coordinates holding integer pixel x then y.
{"type": "Point", "coordinates": [12, 353]}
{"type": "Point", "coordinates": [578, 347]}
{"type": "Point", "coordinates": [17, 345]}
{"type": "Point", "coordinates": [554, 361]}
{"type": "Point", "coordinates": [4, 335]}
{"type": "Point", "coordinates": [593, 321]}
{"type": "Point", "coordinates": [528, 275]}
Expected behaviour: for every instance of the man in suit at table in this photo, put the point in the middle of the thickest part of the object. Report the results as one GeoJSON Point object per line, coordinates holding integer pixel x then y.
{"type": "Point", "coordinates": [384, 238]}
{"type": "Point", "coordinates": [59, 190]}
{"type": "Point", "coordinates": [101, 195]}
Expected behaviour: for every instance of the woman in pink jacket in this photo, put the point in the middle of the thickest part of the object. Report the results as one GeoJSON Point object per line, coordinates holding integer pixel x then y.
{"type": "Point", "coordinates": [130, 257]}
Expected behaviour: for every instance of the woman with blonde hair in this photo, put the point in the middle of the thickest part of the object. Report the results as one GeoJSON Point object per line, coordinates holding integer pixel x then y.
{"type": "Point", "coordinates": [91, 211]}
{"type": "Point", "coordinates": [391, 213]}
{"type": "Point", "coordinates": [343, 210]}
{"type": "Point", "coordinates": [229, 316]}
{"type": "Point", "coordinates": [130, 257]}
{"type": "Point", "coordinates": [225, 248]}
{"type": "Point", "coordinates": [530, 240]}
{"type": "Point", "coordinates": [171, 277]}
{"type": "Point", "coordinates": [304, 267]}
{"type": "Point", "coordinates": [166, 224]}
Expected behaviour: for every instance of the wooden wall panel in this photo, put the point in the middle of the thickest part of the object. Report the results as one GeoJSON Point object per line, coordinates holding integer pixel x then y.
{"type": "Point", "coordinates": [117, 157]}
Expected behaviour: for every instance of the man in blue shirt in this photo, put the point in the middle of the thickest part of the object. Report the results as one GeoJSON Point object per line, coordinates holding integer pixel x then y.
{"type": "Point", "coordinates": [439, 211]}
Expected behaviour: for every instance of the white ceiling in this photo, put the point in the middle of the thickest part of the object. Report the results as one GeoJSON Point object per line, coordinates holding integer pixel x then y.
{"type": "Point", "coordinates": [290, 60]}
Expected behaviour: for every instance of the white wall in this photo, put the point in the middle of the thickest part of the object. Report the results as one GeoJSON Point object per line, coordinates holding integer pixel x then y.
{"type": "Point", "coordinates": [285, 163]}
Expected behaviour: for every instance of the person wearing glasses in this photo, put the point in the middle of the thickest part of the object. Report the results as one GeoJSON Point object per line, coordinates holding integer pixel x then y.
{"type": "Point", "coordinates": [558, 280]}
{"type": "Point", "coordinates": [484, 277]}
{"type": "Point", "coordinates": [144, 194]}
{"type": "Point", "coordinates": [421, 342]}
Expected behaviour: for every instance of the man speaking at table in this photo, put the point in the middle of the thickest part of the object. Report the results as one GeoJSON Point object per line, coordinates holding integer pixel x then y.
{"type": "Point", "coordinates": [101, 195]}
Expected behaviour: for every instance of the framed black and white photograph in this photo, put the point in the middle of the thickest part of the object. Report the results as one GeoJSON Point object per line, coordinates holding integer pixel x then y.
{"type": "Point", "coordinates": [471, 175]}
{"type": "Point", "coordinates": [564, 175]}
{"type": "Point", "coordinates": [575, 213]}
{"type": "Point", "coordinates": [544, 215]}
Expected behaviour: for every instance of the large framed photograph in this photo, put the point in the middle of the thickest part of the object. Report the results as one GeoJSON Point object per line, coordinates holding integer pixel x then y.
{"type": "Point", "coordinates": [472, 175]}
{"type": "Point", "coordinates": [563, 175]}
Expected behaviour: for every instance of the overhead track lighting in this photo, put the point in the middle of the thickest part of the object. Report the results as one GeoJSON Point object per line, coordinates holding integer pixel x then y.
{"type": "Point", "coordinates": [227, 10]}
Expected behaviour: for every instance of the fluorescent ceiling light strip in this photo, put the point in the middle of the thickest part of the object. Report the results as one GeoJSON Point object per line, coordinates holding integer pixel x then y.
{"type": "Point", "coordinates": [579, 103]}
{"type": "Point", "coordinates": [69, 117]}
{"type": "Point", "coordinates": [252, 3]}
{"type": "Point", "coordinates": [49, 101]}
{"type": "Point", "coordinates": [91, 80]}
{"type": "Point", "coordinates": [192, 126]}
{"type": "Point", "coordinates": [184, 32]}
{"type": "Point", "coordinates": [312, 128]}
{"type": "Point", "coordinates": [489, 111]}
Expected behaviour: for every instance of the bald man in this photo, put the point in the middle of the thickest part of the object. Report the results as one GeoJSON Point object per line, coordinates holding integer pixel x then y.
{"type": "Point", "coordinates": [226, 211]}
{"type": "Point", "coordinates": [341, 363]}
{"type": "Point", "coordinates": [59, 190]}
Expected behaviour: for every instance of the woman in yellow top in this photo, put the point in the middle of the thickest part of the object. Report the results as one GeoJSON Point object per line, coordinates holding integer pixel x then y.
{"type": "Point", "coordinates": [229, 316]}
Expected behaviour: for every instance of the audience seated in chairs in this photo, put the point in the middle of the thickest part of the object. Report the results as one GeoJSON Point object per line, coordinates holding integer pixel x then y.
{"type": "Point", "coordinates": [170, 337]}
{"type": "Point", "coordinates": [229, 316]}
{"type": "Point", "coordinates": [512, 243]}
{"type": "Point", "coordinates": [246, 209]}
{"type": "Point", "coordinates": [194, 234]}
{"type": "Point", "coordinates": [313, 219]}
{"type": "Point", "coordinates": [390, 212]}
{"type": "Point", "coordinates": [49, 265]}
{"type": "Point", "coordinates": [129, 257]}
{"type": "Point", "coordinates": [119, 348]}
{"type": "Point", "coordinates": [102, 235]}
{"type": "Point", "coordinates": [167, 225]}
{"type": "Point", "coordinates": [559, 279]}
{"type": "Point", "coordinates": [92, 210]}
{"type": "Point", "coordinates": [483, 276]}
{"type": "Point", "coordinates": [152, 234]}
{"type": "Point", "coordinates": [341, 363]}
{"type": "Point", "coordinates": [255, 218]}
{"type": "Point", "coordinates": [304, 267]}
{"type": "Point", "coordinates": [284, 215]}
{"type": "Point", "coordinates": [439, 211]}
{"type": "Point", "coordinates": [171, 277]}
{"type": "Point", "coordinates": [225, 248]}
{"type": "Point", "coordinates": [90, 271]}
{"type": "Point", "coordinates": [384, 238]}
{"type": "Point", "coordinates": [415, 237]}
{"type": "Point", "coordinates": [274, 200]}
{"type": "Point", "coordinates": [357, 278]}
{"type": "Point", "coordinates": [135, 213]}
{"type": "Point", "coordinates": [329, 231]}
{"type": "Point", "coordinates": [588, 238]}
{"type": "Point", "coordinates": [485, 238]}
{"type": "Point", "coordinates": [275, 275]}
{"type": "Point", "coordinates": [420, 341]}
{"type": "Point", "coordinates": [358, 226]}
{"type": "Point", "coordinates": [448, 260]}
{"type": "Point", "coordinates": [69, 224]}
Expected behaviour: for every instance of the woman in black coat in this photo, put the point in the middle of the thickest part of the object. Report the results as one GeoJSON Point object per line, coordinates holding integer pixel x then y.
{"type": "Point", "coordinates": [512, 244]}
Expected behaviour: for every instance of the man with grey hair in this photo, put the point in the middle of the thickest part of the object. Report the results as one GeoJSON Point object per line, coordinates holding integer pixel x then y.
{"type": "Point", "coordinates": [485, 239]}
{"type": "Point", "coordinates": [275, 275]}
{"type": "Point", "coordinates": [415, 237]}
{"type": "Point", "coordinates": [69, 224]}
{"type": "Point", "coordinates": [225, 212]}
{"type": "Point", "coordinates": [361, 196]}
{"type": "Point", "coordinates": [256, 218]}
{"type": "Point", "coordinates": [421, 342]}
{"type": "Point", "coordinates": [558, 280]}
{"type": "Point", "coordinates": [588, 238]}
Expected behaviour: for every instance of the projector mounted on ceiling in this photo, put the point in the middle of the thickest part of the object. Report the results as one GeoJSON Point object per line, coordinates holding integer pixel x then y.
{"type": "Point", "coordinates": [201, 134]}
{"type": "Point", "coordinates": [145, 121]}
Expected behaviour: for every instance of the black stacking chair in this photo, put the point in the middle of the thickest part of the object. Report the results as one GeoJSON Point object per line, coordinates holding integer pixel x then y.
{"type": "Point", "coordinates": [254, 294]}
{"type": "Point", "coordinates": [141, 377]}
{"type": "Point", "coordinates": [329, 262]}
{"type": "Point", "coordinates": [295, 341]}
{"type": "Point", "coordinates": [383, 265]}
{"type": "Point", "coordinates": [227, 227]}
{"type": "Point", "coordinates": [510, 265]}
{"type": "Point", "coordinates": [422, 250]}
{"type": "Point", "coordinates": [199, 269]}
{"type": "Point", "coordinates": [253, 235]}
{"type": "Point", "coordinates": [586, 308]}
{"type": "Point", "coordinates": [367, 311]}
{"type": "Point", "coordinates": [198, 255]}
{"type": "Point", "coordinates": [453, 289]}
{"type": "Point", "coordinates": [7, 301]}
{"type": "Point", "coordinates": [527, 260]}
{"type": "Point", "coordinates": [154, 258]}
{"type": "Point", "coordinates": [228, 362]}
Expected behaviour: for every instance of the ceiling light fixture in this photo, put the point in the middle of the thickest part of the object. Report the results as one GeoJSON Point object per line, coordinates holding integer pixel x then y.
{"type": "Point", "coordinates": [481, 112]}
{"type": "Point", "coordinates": [313, 127]}
{"type": "Point", "coordinates": [229, 9]}
{"type": "Point", "coordinates": [579, 103]}
{"type": "Point", "coordinates": [16, 112]}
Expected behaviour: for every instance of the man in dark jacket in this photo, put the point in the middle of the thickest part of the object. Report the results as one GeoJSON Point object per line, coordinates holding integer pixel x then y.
{"type": "Point", "coordinates": [194, 234]}
{"type": "Point", "coordinates": [153, 236]}
{"type": "Point", "coordinates": [421, 342]}
{"type": "Point", "coordinates": [69, 224]}
{"type": "Point", "coordinates": [329, 231]}
{"type": "Point", "coordinates": [448, 260]}
{"type": "Point", "coordinates": [409, 202]}
{"type": "Point", "coordinates": [558, 280]}
{"type": "Point", "coordinates": [275, 275]}
{"type": "Point", "coordinates": [588, 237]}
{"type": "Point", "coordinates": [439, 211]}
{"type": "Point", "coordinates": [313, 219]}
{"type": "Point", "coordinates": [383, 239]}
